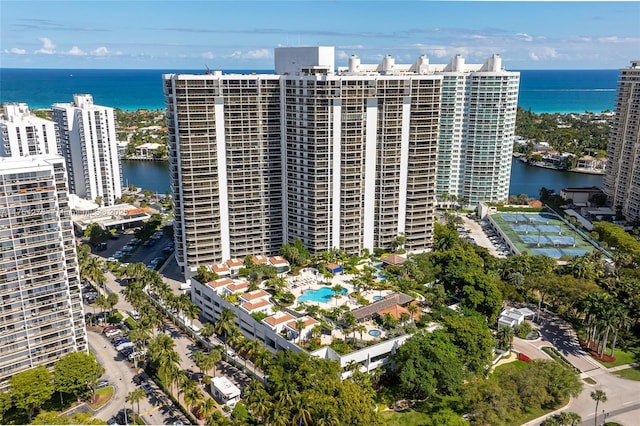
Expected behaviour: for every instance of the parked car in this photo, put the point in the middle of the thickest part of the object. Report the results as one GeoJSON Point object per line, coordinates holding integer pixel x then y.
{"type": "Point", "coordinates": [123, 345]}
{"type": "Point", "coordinates": [102, 384]}
{"type": "Point", "coordinates": [134, 314]}
{"type": "Point", "coordinates": [147, 388]}
{"type": "Point", "coordinates": [112, 333]}
{"type": "Point", "coordinates": [197, 412]}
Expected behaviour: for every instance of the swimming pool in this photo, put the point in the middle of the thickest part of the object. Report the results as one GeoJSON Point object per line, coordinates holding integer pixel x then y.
{"type": "Point", "coordinates": [376, 298]}
{"type": "Point", "coordinates": [375, 333]}
{"type": "Point", "coordinates": [323, 295]}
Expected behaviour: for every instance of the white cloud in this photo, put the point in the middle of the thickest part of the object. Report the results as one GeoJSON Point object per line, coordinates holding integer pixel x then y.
{"type": "Point", "coordinates": [48, 48]}
{"type": "Point", "coordinates": [258, 54]}
{"type": "Point", "coordinates": [76, 51]}
{"type": "Point", "coordinates": [542, 53]}
{"type": "Point", "coordinates": [524, 36]}
{"type": "Point", "coordinates": [353, 47]}
{"type": "Point", "coordinates": [101, 51]}
{"type": "Point", "coordinates": [341, 54]}
{"type": "Point", "coordinates": [16, 51]}
{"type": "Point", "coordinates": [236, 54]}
{"type": "Point", "coordinates": [614, 39]}
{"type": "Point", "coordinates": [207, 55]}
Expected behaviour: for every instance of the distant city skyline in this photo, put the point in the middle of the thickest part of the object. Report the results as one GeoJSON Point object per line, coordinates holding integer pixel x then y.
{"type": "Point", "coordinates": [242, 34]}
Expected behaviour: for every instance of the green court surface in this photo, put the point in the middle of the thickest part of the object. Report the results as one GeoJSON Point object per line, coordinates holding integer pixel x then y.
{"type": "Point", "coordinates": [541, 233]}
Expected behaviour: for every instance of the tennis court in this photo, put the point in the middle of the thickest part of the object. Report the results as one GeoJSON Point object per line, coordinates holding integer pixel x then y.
{"type": "Point", "coordinates": [541, 233]}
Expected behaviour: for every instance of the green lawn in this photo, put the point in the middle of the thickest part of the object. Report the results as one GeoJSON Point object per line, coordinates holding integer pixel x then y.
{"type": "Point", "coordinates": [101, 397]}
{"type": "Point", "coordinates": [404, 418]}
{"type": "Point", "coordinates": [629, 373]}
{"type": "Point", "coordinates": [517, 365]}
{"type": "Point", "coordinates": [622, 358]}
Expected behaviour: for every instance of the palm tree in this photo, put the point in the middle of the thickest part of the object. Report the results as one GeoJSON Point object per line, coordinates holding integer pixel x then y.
{"type": "Point", "coordinates": [598, 396]}
{"type": "Point", "coordinates": [337, 292]}
{"type": "Point", "coordinates": [201, 360]}
{"type": "Point", "coordinates": [262, 358]}
{"type": "Point", "coordinates": [207, 330]}
{"type": "Point", "coordinates": [162, 352]}
{"type": "Point", "coordinates": [191, 311]}
{"type": "Point", "coordinates": [225, 324]}
{"type": "Point", "coordinates": [504, 337]}
{"type": "Point", "coordinates": [300, 325]}
{"type": "Point", "coordinates": [302, 414]}
{"type": "Point", "coordinates": [192, 395]}
{"type": "Point", "coordinates": [413, 309]}
{"type": "Point", "coordinates": [622, 320]}
{"type": "Point", "coordinates": [360, 328]}
{"type": "Point", "coordinates": [135, 396]}
{"type": "Point", "coordinates": [250, 349]}
{"type": "Point", "coordinates": [135, 271]}
{"type": "Point", "coordinates": [258, 400]}
{"type": "Point", "coordinates": [217, 418]}
{"type": "Point", "coordinates": [112, 300]}
{"type": "Point", "coordinates": [91, 270]}
{"type": "Point", "coordinates": [214, 356]}
{"type": "Point", "coordinates": [207, 406]}
{"type": "Point", "coordinates": [139, 335]}
{"type": "Point", "coordinates": [102, 303]}
{"type": "Point", "coordinates": [133, 294]}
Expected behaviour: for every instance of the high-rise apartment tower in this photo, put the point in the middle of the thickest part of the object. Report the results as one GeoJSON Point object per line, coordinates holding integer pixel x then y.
{"type": "Point", "coordinates": [622, 176]}
{"type": "Point", "coordinates": [23, 133]}
{"type": "Point", "coordinates": [89, 145]}
{"type": "Point", "coordinates": [338, 159]}
{"type": "Point", "coordinates": [42, 314]}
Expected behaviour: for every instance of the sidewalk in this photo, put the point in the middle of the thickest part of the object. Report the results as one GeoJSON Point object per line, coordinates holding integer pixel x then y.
{"type": "Point", "coordinates": [624, 367]}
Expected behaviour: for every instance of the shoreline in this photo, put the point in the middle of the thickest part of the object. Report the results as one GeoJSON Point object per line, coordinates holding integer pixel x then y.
{"type": "Point", "coordinates": [549, 167]}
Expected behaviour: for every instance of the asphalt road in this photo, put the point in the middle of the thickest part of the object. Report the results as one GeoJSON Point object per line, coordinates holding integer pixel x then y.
{"type": "Point", "coordinates": [623, 404]}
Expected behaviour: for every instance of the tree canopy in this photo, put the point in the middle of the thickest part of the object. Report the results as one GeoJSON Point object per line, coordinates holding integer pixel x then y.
{"type": "Point", "coordinates": [31, 388]}
{"type": "Point", "coordinates": [77, 373]}
{"type": "Point", "coordinates": [301, 388]}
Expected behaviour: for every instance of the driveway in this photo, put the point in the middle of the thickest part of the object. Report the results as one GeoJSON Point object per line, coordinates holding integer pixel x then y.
{"type": "Point", "coordinates": [623, 395]}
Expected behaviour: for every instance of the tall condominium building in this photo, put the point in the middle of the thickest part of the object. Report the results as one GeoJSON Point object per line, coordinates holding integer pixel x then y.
{"type": "Point", "coordinates": [338, 160]}
{"type": "Point", "coordinates": [25, 134]}
{"type": "Point", "coordinates": [89, 145]}
{"type": "Point", "coordinates": [342, 159]}
{"type": "Point", "coordinates": [42, 315]}
{"type": "Point", "coordinates": [622, 177]}
{"type": "Point", "coordinates": [477, 125]}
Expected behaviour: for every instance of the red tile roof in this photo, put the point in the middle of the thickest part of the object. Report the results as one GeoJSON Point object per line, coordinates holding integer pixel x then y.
{"type": "Point", "coordinates": [220, 282]}
{"type": "Point", "coordinates": [238, 286]}
{"type": "Point", "coordinates": [253, 295]}
{"type": "Point", "coordinates": [219, 267]}
{"type": "Point", "coordinates": [234, 263]}
{"type": "Point", "coordinates": [252, 306]}
{"type": "Point", "coordinates": [307, 322]}
{"type": "Point", "coordinates": [278, 319]}
{"type": "Point", "coordinates": [259, 259]}
{"type": "Point", "coordinates": [278, 260]}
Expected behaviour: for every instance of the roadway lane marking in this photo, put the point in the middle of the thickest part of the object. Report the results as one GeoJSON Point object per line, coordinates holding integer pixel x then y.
{"type": "Point", "coordinates": [157, 407]}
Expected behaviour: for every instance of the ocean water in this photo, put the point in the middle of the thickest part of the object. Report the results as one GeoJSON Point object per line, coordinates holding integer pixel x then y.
{"type": "Point", "coordinates": [541, 90]}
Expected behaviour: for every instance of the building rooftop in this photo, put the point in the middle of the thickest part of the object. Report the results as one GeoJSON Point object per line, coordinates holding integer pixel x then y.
{"type": "Point", "coordinates": [253, 295]}
{"type": "Point", "coordinates": [257, 259]}
{"type": "Point", "coordinates": [252, 306]}
{"type": "Point", "coordinates": [278, 318]}
{"type": "Point", "coordinates": [220, 282]}
{"type": "Point", "coordinates": [225, 387]}
{"type": "Point", "coordinates": [235, 263]}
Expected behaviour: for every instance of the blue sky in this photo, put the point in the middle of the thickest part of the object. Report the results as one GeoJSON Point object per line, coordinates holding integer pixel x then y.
{"type": "Point", "coordinates": [242, 34]}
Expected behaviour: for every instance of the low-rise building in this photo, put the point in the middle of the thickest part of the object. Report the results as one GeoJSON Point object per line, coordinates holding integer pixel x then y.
{"type": "Point", "coordinates": [512, 316]}
{"type": "Point", "coordinates": [225, 391]}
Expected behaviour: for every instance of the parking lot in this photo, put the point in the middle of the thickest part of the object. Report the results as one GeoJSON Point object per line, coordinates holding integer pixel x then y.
{"type": "Point", "coordinates": [483, 236]}
{"type": "Point", "coordinates": [126, 248]}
